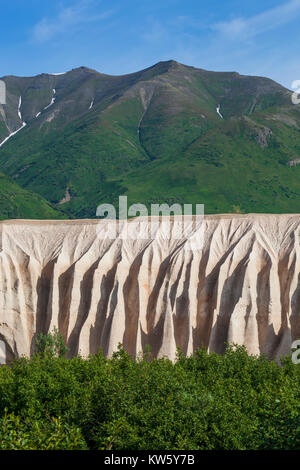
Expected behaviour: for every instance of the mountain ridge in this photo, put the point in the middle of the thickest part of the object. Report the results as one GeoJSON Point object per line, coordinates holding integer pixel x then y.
{"type": "Point", "coordinates": [167, 133]}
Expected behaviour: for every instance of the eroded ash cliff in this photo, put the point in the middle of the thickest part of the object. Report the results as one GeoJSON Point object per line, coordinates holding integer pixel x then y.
{"type": "Point", "coordinates": [242, 285]}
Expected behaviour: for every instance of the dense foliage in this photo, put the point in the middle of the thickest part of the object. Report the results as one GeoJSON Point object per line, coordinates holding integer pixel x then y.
{"type": "Point", "coordinates": [206, 401]}
{"type": "Point", "coordinates": [16, 202]}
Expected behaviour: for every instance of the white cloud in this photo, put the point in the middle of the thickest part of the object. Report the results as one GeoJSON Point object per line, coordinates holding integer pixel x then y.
{"type": "Point", "coordinates": [258, 24]}
{"type": "Point", "coordinates": [67, 19]}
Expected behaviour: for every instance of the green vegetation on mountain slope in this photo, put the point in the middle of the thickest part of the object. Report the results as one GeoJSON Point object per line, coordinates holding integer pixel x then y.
{"type": "Point", "coordinates": [16, 202]}
{"type": "Point", "coordinates": [156, 136]}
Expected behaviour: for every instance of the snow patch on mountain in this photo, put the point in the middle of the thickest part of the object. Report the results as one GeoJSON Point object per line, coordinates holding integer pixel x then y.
{"type": "Point", "coordinates": [52, 100]}
{"type": "Point", "coordinates": [12, 134]}
{"type": "Point", "coordinates": [20, 128]}
{"type": "Point", "coordinates": [218, 111]}
{"type": "Point", "coordinates": [50, 104]}
{"type": "Point", "coordinates": [19, 108]}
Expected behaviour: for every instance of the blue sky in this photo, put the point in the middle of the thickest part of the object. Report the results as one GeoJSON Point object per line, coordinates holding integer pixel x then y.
{"type": "Point", "coordinates": [122, 36]}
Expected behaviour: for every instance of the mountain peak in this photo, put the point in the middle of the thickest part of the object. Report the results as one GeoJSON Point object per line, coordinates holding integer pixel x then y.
{"type": "Point", "coordinates": [169, 64]}
{"type": "Point", "coordinates": [90, 137]}
{"type": "Point", "coordinates": [84, 69]}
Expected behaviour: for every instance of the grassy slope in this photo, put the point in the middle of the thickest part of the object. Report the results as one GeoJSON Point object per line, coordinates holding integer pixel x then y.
{"type": "Point", "coordinates": [16, 202]}
{"type": "Point", "coordinates": [226, 170]}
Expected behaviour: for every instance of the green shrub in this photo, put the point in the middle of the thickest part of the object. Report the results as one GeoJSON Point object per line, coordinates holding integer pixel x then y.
{"type": "Point", "coordinates": [53, 434]}
{"type": "Point", "coordinates": [205, 401]}
{"type": "Point", "coordinates": [51, 344]}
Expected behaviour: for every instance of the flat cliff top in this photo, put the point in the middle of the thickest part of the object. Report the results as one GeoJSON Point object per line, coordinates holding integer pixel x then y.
{"type": "Point", "coordinates": [96, 221]}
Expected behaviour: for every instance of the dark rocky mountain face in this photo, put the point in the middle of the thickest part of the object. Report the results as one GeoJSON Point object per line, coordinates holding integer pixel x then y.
{"type": "Point", "coordinates": [170, 133]}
